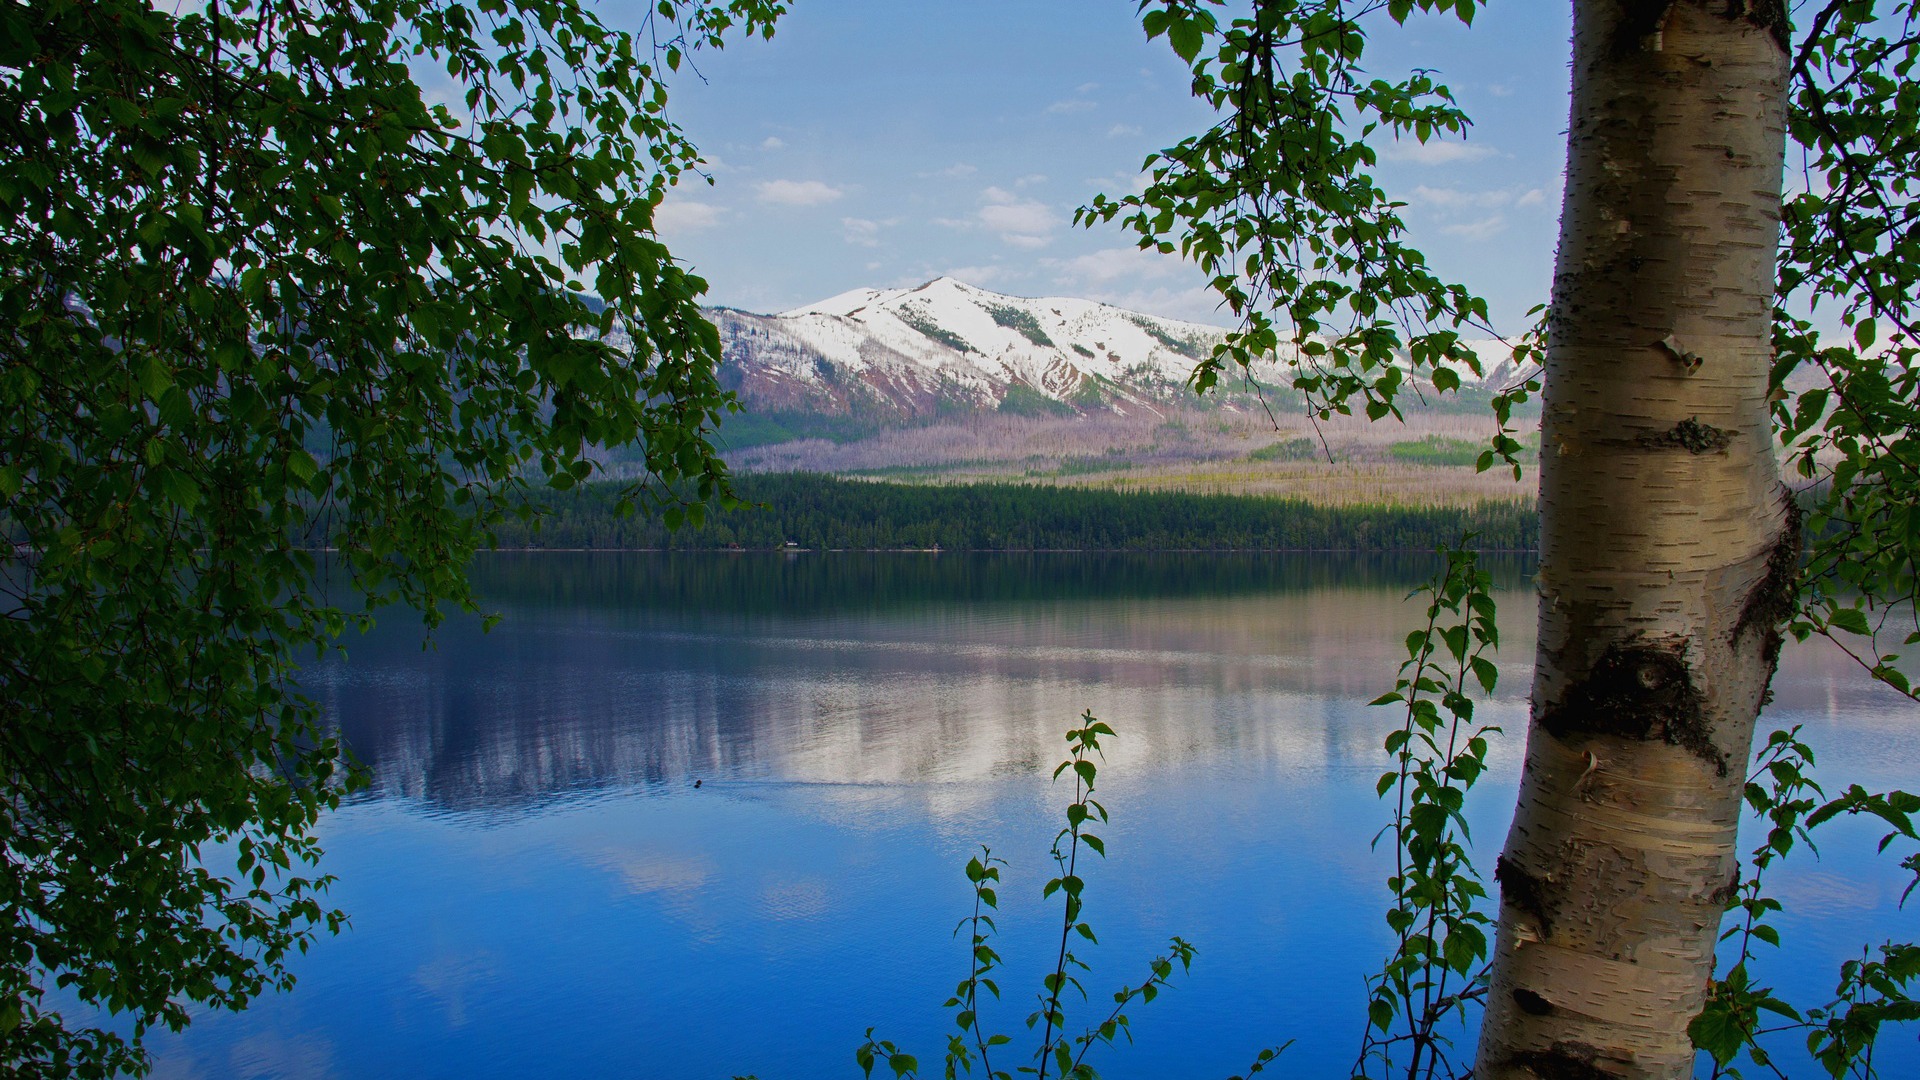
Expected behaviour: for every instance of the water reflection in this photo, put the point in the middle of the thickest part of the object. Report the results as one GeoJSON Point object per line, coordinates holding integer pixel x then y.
{"type": "Point", "coordinates": [538, 889]}
{"type": "Point", "coordinates": [616, 671]}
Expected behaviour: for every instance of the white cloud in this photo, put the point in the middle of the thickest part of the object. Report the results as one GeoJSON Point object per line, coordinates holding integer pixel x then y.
{"type": "Point", "coordinates": [1137, 280]}
{"type": "Point", "coordinates": [1124, 131]}
{"type": "Point", "coordinates": [1018, 216]}
{"type": "Point", "coordinates": [1018, 221]}
{"type": "Point", "coordinates": [1483, 229]}
{"type": "Point", "coordinates": [680, 216]}
{"type": "Point", "coordinates": [1434, 151]}
{"type": "Point", "coordinates": [1086, 88]}
{"type": "Point", "coordinates": [1532, 198]}
{"type": "Point", "coordinates": [1112, 264]}
{"type": "Point", "coordinates": [1500, 89]}
{"type": "Point", "coordinates": [958, 169]}
{"type": "Point", "coordinates": [1072, 105]}
{"type": "Point", "coordinates": [982, 276]}
{"type": "Point", "coordinates": [773, 142]}
{"type": "Point", "coordinates": [862, 232]}
{"type": "Point", "coordinates": [1194, 304]}
{"type": "Point", "coordinates": [1123, 183]}
{"type": "Point", "coordinates": [1030, 180]}
{"type": "Point", "coordinates": [1457, 199]}
{"type": "Point", "coordinates": [797, 192]}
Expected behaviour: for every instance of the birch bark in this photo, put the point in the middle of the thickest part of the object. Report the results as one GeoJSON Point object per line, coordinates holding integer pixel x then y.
{"type": "Point", "coordinates": [1668, 545]}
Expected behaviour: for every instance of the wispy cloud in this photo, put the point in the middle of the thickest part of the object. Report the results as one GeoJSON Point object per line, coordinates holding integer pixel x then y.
{"type": "Point", "coordinates": [1124, 131]}
{"type": "Point", "coordinates": [1022, 222]}
{"type": "Point", "coordinates": [862, 232]}
{"type": "Point", "coordinates": [680, 216]}
{"type": "Point", "coordinates": [1458, 199]}
{"type": "Point", "coordinates": [1434, 151]}
{"type": "Point", "coordinates": [1137, 280]}
{"type": "Point", "coordinates": [1073, 105]}
{"type": "Point", "coordinates": [773, 142]}
{"type": "Point", "coordinates": [1194, 303]}
{"type": "Point", "coordinates": [797, 192]}
{"type": "Point", "coordinates": [954, 171]}
{"type": "Point", "coordinates": [1484, 229]}
{"type": "Point", "coordinates": [983, 275]}
{"type": "Point", "coordinates": [1112, 264]}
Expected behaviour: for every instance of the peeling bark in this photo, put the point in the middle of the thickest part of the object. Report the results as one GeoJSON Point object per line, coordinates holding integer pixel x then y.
{"type": "Point", "coordinates": [1667, 554]}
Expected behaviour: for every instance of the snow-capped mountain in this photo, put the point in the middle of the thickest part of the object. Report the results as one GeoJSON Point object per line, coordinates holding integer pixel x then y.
{"type": "Point", "coordinates": [946, 344]}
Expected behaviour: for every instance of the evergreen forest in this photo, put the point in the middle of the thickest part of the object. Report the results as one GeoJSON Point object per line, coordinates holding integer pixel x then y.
{"type": "Point", "coordinates": [829, 513]}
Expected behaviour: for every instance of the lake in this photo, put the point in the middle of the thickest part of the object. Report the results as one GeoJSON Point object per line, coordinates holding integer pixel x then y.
{"type": "Point", "coordinates": [703, 815]}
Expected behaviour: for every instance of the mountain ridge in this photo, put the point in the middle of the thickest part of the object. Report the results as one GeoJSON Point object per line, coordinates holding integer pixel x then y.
{"type": "Point", "coordinates": [945, 346]}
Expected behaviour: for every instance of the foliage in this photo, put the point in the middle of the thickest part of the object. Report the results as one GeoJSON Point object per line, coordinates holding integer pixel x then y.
{"type": "Point", "coordinates": [1186, 347]}
{"type": "Point", "coordinates": [1840, 1033]}
{"type": "Point", "coordinates": [824, 512]}
{"type": "Point", "coordinates": [258, 284]}
{"type": "Point", "coordinates": [1439, 752]}
{"type": "Point", "coordinates": [1300, 449]}
{"type": "Point", "coordinates": [1848, 241]}
{"type": "Point", "coordinates": [1276, 205]}
{"type": "Point", "coordinates": [1057, 1053]}
{"type": "Point", "coordinates": [917, 317]}
{"type": "Point", "coordinates": [1024, 400]}
{"type": "Point", "coordinates": [1435, 450]}
{"type": "Point", "coordinates": [1020, 320]}
{"type": "Point", "coordinates": [1275, 201]}
{"type": "Point", "coordinates": [1849, 238]}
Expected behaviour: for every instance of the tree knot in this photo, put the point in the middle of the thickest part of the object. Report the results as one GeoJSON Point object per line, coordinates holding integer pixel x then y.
{"type": "Point", "coordinates": [1692, 436]}
{"type": "Point", "coordinates": [1640, 689]}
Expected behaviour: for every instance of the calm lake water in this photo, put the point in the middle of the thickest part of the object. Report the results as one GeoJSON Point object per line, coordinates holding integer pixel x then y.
{"type": "Point", "coordinates": [539, 889]}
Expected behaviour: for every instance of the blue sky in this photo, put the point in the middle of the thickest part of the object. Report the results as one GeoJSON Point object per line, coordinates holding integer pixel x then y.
{"type": "Point", "coordinates": [885, 142]}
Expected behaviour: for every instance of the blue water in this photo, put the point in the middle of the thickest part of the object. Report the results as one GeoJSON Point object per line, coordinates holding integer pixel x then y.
{"type": "Point", "coordinates": [537, 887]}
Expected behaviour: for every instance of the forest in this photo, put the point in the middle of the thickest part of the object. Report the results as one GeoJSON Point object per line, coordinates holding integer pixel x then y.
{"type": "Point", "coordinates": [826, 513]}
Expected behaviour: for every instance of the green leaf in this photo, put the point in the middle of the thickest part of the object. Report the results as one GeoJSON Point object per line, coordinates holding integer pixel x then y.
{"type": "Point", "coordinates": [1852, 620]}
{"type": "Point", "coordinates": [1185, 36]}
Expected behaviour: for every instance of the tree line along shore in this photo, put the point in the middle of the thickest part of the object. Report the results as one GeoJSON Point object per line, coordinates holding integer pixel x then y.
{"type": "Point", "coordinates": [818, 512]}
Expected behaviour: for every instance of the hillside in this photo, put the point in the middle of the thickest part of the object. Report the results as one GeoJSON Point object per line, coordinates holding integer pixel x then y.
{"type": "Point", "coordinates": [949, 383]}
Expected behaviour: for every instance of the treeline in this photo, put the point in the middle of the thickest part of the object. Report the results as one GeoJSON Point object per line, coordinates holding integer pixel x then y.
{"type": "Point", "coordinates": [829, 513]}
{"type": "Point", "coordinates": [809, 583]}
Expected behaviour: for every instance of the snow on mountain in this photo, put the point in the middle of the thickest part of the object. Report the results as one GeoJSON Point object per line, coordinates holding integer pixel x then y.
{"type": "Point", "coordinates": [946, 344]}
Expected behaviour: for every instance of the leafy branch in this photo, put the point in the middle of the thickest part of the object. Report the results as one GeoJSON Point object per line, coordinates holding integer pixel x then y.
{"type": "Point", "coordinates": [1440, 751]}
{"type": "Point", "coordinates": [1056, 1054]}
{"type": "Point", "coordinates": [1277, 205]}
{"type": "Point", "coordinates": [1840, 1034]}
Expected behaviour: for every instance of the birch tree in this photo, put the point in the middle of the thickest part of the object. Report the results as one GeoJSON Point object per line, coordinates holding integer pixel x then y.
{"type": "Point", "coordinates": [1671, 561]}
{"type": "Point", "coordinates": [1669, 547]}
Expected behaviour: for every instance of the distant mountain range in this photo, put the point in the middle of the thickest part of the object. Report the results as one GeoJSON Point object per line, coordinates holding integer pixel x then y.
{"type": "Point", "coordinates": [907, 355]}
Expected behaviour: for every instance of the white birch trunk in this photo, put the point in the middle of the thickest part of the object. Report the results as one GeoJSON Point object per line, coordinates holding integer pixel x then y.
{"type": "Point", "coordinates": [1668, 545]}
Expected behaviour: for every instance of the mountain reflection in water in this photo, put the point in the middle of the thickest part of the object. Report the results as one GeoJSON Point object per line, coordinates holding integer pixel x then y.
{"type": "Point", "coordinates": [623, 670]}
{"type": "Point", "coordinates": [538, 888]}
